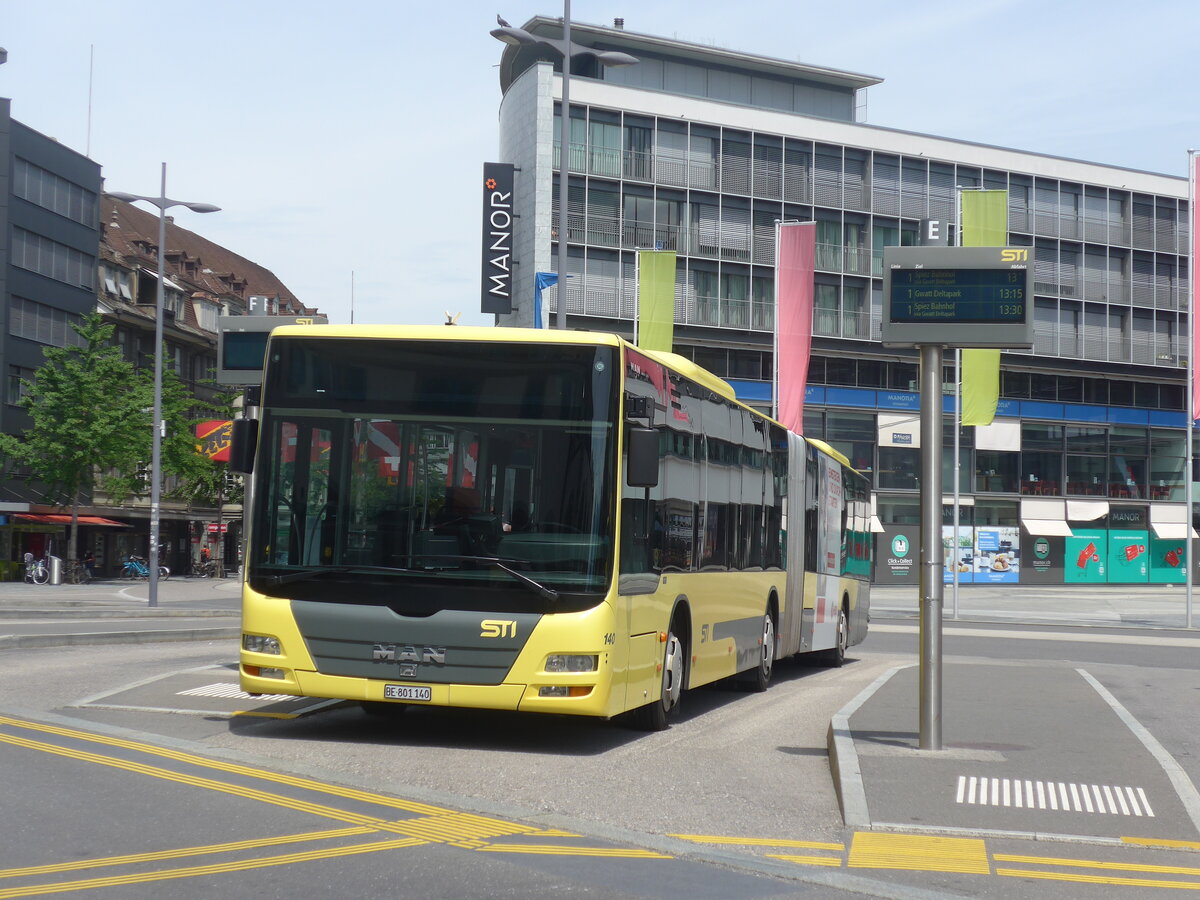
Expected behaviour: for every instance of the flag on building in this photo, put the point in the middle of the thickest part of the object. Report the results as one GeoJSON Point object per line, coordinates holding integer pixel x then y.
{"type": "Point", "coordinates": [984, 224]}
{"type": "Point", "coordinates": [541, 281]}
{"type": "Point", "coordinates": [795, 259]}
{"type": "Point", "coordinates": [656, 299]}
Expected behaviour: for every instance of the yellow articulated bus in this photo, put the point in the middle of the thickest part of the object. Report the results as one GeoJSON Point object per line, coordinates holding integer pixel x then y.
{"type": "Point", "coordinates": [545, 521]}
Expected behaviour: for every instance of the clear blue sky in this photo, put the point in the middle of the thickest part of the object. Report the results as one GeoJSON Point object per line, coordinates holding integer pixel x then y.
{"type": "Point", "coordinates": [350, 136]}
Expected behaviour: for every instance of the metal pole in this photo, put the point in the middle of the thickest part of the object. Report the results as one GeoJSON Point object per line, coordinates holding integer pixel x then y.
{"type": "Point", "coordinates": [957, 476]}
{"type": "Point", "coordinates": [156, 445]}
{"type": "Point", "coordinates": [1191, 377]}
{"type": "Point", "coordinates": [932, 555]}
{"type": "Point", "coordinates": [775, 329]}
{"type": "Point", "coordinates": [564, 166]}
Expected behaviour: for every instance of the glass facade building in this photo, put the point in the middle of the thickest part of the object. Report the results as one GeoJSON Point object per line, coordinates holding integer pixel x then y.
{"type": "Point", "coordinates": [701, 151]}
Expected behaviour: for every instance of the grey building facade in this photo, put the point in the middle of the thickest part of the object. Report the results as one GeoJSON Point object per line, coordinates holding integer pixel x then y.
{"type": "Point", "coordinates": [702, 150]}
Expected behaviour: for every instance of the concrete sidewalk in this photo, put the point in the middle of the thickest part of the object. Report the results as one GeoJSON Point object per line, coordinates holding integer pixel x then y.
{"type": "Point", "coordinates": [1036, 751]}
{"type": "Point", "coordinates": [118, 612]}
{"type": "Point", "coordinates": [1135, 606]}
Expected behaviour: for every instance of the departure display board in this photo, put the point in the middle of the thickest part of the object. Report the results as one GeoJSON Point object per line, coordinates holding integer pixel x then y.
{"type": "Point", "coordinates": [957, 296]}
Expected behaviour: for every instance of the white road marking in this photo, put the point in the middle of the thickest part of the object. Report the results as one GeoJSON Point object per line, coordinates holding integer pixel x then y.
{"type": "Point", "coordinates": [228, 691]}
{"type": "Point", "coordinates": [1058, 796]}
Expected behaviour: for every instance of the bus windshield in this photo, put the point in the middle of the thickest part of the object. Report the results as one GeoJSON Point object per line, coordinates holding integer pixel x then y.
{"type": "Point", "coordinates": [435, 474]}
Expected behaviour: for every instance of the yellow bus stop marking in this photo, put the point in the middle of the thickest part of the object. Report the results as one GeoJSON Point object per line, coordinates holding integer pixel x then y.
{"type": "Point", "coordinates": [919, 853]}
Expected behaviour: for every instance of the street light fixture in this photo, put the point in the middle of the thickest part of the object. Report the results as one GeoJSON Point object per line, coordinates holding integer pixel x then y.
{"type": "Point", "coordinates": [566, 48]}
{"type": "Point", "coordinates": [163, 203]}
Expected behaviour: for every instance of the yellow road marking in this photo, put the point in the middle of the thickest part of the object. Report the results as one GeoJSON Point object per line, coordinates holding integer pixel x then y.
{"type": "Point", "coordinates": [262, 774]}
{"type": "Point", "coordinates": [564, 850]}
{"type": "Point", "coordinates": [1094, 864]}
{"type": "Point", "coordinates": [1099, 879]}
{"type": "Point", "coordinates": [446, 827]}
{"type": "Point", "coordinates": [756, 842]}
{"type": "Point", "coordinates": [1162, 842]}
{"type": "Point", "coordinates": [833, 861]}
{"type": "Point", "coordinates": [918, 852]}
{"type": "Point", "coordinates": [160, 855]}
{"type": "Point", "coordinates": [216, 869]}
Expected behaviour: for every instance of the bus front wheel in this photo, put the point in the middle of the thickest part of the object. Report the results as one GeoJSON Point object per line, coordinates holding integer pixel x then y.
{"type": "Point", "coordinates": [656, 716]}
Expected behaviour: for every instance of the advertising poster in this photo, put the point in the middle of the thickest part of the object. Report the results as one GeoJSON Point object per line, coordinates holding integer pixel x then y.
{"type": "Point", "coordinates": [958, 554]}
{"type": "Point", "coordinates": [1167, 561]}
{"type": "Point", "coordinates": [1041, 559]}
{"type": "Point", "coordinates": [997, 555]}
{"type": "Point", "coordinates": [1086, 557]}
{"type": "Point", "coordinates": [1128, 557]}
{"type": "Point", "coordinates": [896, 555]}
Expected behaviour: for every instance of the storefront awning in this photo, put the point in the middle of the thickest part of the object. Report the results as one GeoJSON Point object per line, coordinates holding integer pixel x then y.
{"type": "Point", "coordinates": [1045, 517]}
{"type": "Point", "coordinates": [1086, 510]}
{"type": "Point", "coordinates": [1169, 522]}
{"type": "Point", "coordinates": [61, 519]}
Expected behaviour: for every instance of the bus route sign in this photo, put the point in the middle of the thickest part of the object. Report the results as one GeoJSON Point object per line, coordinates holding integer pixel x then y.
{"type": "Point", "coordinates": [957, 297]}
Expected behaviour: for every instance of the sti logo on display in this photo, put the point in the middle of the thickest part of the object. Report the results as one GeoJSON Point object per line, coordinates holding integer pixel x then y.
{"type": "Point", "coordinates": [496, 291]}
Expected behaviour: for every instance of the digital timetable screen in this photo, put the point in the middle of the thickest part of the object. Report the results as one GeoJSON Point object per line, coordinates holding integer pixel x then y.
{"type": "Point", "coordinates": [958, 296]}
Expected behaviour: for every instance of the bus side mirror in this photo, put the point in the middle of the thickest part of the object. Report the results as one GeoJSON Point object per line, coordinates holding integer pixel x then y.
{"type": "Point", "coordinates": [243, 445]}
{"type": "Point", "coordinates": [641, 468]}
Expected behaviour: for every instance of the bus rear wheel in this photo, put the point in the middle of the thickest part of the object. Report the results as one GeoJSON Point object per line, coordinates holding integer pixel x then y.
{"type": "Point", "coordinates": [656, 716]}
{"type": "Point", "coordinates": [835, 656]}
{"type": "Point", "coordinates": [758, 679]}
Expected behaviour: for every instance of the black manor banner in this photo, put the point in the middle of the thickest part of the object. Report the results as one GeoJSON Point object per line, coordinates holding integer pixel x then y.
{"type": "Point", "coordinates": [496, 292]}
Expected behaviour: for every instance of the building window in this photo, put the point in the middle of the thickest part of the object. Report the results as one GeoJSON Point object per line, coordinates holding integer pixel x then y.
{"type": "Point", "coordinates": [43, 324]}
{"type": "Point", "coordinates": [54, 260]}
{"type": "Point", "coordinates": [17, 383]}
{"type": "Point", "coordinates": [52, 192]}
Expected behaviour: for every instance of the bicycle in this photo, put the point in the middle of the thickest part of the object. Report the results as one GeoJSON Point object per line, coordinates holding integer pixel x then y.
{"type": "Point", "coordinates": [36, 570]}
{"type": "Point", "coordinates": [206, 569]}
{"type": "Point", "coordinates": [136, 567]}
{"type": "Point", "coordinates": [78, 573]}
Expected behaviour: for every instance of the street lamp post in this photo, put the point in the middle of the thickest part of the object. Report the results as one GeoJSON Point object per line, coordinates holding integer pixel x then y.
{"type": "Point", "coordinates": [566, 48]}
{"type": "Point", "coordinates": [163, 203]}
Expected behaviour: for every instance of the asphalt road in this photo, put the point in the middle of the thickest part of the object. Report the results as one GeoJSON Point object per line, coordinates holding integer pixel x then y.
{"type": "Point", "coordinates": [738, 794]}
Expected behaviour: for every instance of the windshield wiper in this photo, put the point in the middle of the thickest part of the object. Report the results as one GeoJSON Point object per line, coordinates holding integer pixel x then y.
{"type": "Point", "coordinates": [315, 572]}
{"type": "Point", "coordinates": [496, 563]}
{"type": "Point", "coordinates": [537, 587]}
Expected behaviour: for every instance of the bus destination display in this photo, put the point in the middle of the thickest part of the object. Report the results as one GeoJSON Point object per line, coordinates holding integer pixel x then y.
{"type": "Point", "coordinates": [980, 296]}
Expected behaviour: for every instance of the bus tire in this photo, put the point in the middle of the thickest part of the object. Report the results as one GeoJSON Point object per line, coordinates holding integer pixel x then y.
{"type": "Point", "coordinates": [758, 679]}
{"type": "Point", "coordinates": [658, 715]}
{"type": "Point", "coordinates": [835, 656]}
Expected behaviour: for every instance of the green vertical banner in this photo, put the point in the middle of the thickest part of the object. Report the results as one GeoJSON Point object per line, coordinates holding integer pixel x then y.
{"type": "Point", "coordinates": [984, 224]}
{"type": "Point", "coordinates": [656, 299]}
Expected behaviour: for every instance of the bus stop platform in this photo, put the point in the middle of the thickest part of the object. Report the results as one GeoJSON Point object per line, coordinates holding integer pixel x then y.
{"type": "Point", "coordinates": [1027, 750]}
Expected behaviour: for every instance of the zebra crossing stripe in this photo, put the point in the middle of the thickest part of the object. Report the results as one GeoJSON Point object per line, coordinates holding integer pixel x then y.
{"type": "Point", "coordinates": [1057, 796]}
{"type": "Point", "coordinates": [232, 692]}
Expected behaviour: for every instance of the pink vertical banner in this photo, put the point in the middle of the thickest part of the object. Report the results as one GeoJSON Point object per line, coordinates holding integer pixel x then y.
{"type": "Point", "coordinates": [1194, 176]}
{"type": "Point", "coordinates": [795, 260]}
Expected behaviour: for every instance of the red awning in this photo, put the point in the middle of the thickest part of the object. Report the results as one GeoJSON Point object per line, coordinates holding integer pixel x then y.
{"type": "Point", "coordinates": [61, 519]}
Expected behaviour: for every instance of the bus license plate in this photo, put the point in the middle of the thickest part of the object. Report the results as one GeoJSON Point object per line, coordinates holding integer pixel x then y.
{"type": "Point", "coordinates": [407, 692]}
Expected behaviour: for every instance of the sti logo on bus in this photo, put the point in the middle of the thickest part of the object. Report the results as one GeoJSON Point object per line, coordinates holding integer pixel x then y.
{"type": "Point", "coordinates": [496, 628]}
{"type": "Point", "coordinates": [408, 653]}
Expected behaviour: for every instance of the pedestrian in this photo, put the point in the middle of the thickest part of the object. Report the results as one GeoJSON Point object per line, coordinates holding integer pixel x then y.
{"type": "Point", "coordinates": [89, 563]}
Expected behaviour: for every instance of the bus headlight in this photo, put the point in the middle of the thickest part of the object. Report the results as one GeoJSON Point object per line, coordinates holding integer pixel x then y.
{"type": "Point", "coordinates": [261, 643]}
{"type": "Point", "coordinates": [571, 662]}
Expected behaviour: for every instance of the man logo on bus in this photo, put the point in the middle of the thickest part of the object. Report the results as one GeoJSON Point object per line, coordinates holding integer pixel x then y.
{"type": "Point", "coordinates": [900, 545]}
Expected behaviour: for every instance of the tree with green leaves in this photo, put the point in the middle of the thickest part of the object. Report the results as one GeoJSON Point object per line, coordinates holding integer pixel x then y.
{"type": "Point", "coordinates": [90, 423]}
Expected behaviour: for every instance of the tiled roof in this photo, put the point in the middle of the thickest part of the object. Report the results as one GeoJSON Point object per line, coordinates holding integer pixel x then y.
{"type": "Point", "coordinates": [195, 261]}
